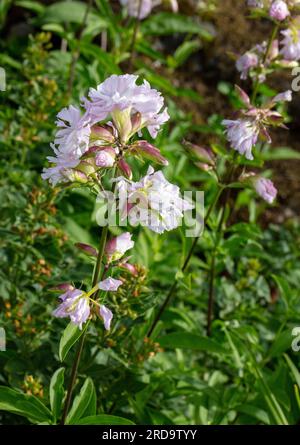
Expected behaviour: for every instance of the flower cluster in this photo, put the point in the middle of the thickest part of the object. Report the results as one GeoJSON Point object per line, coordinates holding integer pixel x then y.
{"type": "Point", "coordinates": [243, 133]}
{"type": "Point", "coordinates": [85, 146]}
{"type": "Point", "coordinates": [77, 304]}
{"type": "Point", "coordinates": [115, 111]}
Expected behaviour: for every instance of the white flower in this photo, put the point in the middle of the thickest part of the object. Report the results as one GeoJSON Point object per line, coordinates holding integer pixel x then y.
{"type": "Point", "coordinates": [152, 202]}
{"type": "Point", "coordinates": [242, 135]}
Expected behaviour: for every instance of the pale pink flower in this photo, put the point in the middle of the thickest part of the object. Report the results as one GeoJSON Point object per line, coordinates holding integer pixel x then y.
{"type": "Point", "coordinates": [290, 44]}
{"type": "Point", "coordinates": [110, 284]}
{"type": "Point", "coordinates": [121, 98]}
{"type": "Point", "coordinates": [70, 143]}
{"type": "Point", "coordinates": [279, 10]}
{"type": "Point", "coordinates": [107, 315]}
{"type": "Point", "coordinates": [116, 247]}
{"type": "Point", "coordinates": [245, 63]}
{"type": "Point", "coordinates": [74, 305]}
{"type": "Point", "coordinates": [286, 96]}
{"type": "Point", "coordinates": [135, 9]}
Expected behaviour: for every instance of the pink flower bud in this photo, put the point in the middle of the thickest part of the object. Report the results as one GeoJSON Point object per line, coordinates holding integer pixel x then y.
{"type": "Point", "coordinates": [243, 96]}
{"type": "Point", "coordinates": [203, 157]}
{"type": "Point", "coordinates": [148, 151]}
{"type": "Point", "coordinates": [279, 10]}
{"type": "Point", "coordinates": [125, 168]}
{"type": "Point", "coordinates": [86, 248]}
{"type": "Point", "coordinates": [62, 287]}
{"type": "Point", "coordinates": [136, 122]}
{"type": "Point", "coordinates": [130, 268]}
{"type": "Point", "coordinates": [102, 133]}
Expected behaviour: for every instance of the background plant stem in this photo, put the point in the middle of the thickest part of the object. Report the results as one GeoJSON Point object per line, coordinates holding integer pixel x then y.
{"type": "Point", "coordinates": [134, 36]}
{"type": "Point", "coordinates": [185, 264]}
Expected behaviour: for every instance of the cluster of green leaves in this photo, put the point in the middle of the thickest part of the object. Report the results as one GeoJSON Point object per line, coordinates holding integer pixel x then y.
{"type": "Point", "coordinates": [246, 372]}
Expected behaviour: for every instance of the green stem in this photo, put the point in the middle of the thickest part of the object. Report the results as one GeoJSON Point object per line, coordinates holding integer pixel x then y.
{"type": "Point", "coordinates": [184, 266]}
{"type": "Point", "coordinates": [271, 40]}
{"type": "Point", "coordinates": [95, 279]}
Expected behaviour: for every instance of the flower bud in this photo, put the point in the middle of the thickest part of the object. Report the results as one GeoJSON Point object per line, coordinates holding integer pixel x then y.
{"type": "Point", "coordinates": [279, 10]}
{"type": "Point", "coordinates": [86, 248]}
{"type": "Point", "coordinates": [148, 151]}
{"type": "Point", "coordinates": [122, 121]}
{"type": "Point", "coordinates": [62, 287]}
{"type": "Point", "coordinates": [102, 134]}
{"type": "Point", "coordinates": [243, 96]}
{"type": "Point", "coordinates": [130, 268]}
{"type": "Point", "coordinates": [203, 157]}
{"type": "Point", "coordinates": [75, 176]}
{"type": "Point", "coordinates": [125, 168]}
{"type": "Point", "coordinates": [136, 122]}
{"type": "Point", "coordinates": [86, 166]}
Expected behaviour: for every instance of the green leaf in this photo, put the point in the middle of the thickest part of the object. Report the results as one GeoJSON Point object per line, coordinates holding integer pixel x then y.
{"type": "Point", "coordinates": [184, 51]}
{"type": "Point", "coordinates": [185, 340]}
{"type": "Point", "coordinates": [31, 5]}
{"type": "Point", "coordinates": [104, 59]}
{"type": "Point", "coordinates": [282, 342]}
{"type": "Point", "coordinates": [70, 12]}
{"type": "Point", "coordinates": [280, 153]}
{"type": "Point", "coordinates": [293, 369]}
{"type": "Point", "coordinates": [104, 419]}
{"type": "Point", "coordinates": [167, 23]}
{"type": "Point", "coordinates": [70, 336]}
{"type": "Point", "coordinates": [56, 392]}
{"type": "Point", "coordinates": [81, 402]}
{"type": "Point", "coordinates": [255, 412]}
{"type": "Point", "coordinates": [24, 405]}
